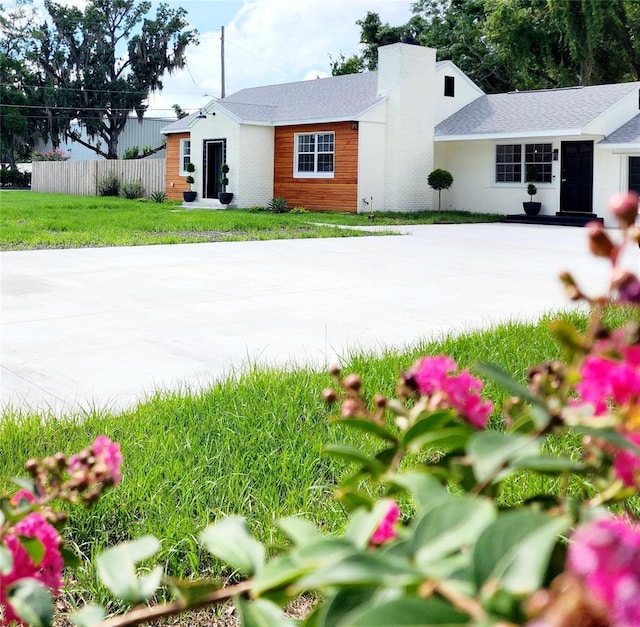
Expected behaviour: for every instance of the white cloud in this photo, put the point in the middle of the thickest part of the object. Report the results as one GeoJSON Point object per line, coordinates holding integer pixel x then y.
{"type": "Point", "coordinates": [268, 42]}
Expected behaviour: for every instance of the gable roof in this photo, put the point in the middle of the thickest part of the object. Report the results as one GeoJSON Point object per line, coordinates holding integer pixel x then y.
{"type": "Point", "coordinates": [183, 125]}
{"type": "Point", "coordinates": [628, 133]}
{"type": "Point", "coordinates": [335, 98]}
{"type": "Point", "coordinates": [543, 112]}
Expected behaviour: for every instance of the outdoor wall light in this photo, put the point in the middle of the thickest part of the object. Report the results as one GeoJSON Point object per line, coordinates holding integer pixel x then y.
{"type": "Point", "coordinates": [555, 154]}
{"type": "Point", "coordinates": [201, 114]}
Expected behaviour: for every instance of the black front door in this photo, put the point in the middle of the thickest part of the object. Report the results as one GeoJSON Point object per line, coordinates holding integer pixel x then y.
{"type": "Point", "coordinates": [576, 186]}
{"type": "Point", "coordinates": [213, 159]}
{"type": "Point", "coordinates": [634, 174]}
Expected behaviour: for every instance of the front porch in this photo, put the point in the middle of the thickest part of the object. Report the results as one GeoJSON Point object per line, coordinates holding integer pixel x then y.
{"type": "Point", "coordinates": [212, 204]}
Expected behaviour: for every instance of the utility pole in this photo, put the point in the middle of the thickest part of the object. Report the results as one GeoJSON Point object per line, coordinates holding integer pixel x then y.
{"type": "Point", "coordinates": [222, 59]}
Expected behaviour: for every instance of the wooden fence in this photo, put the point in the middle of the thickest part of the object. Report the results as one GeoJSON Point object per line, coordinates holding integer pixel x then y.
{"type": "Point", "coordinates": [81, 178]}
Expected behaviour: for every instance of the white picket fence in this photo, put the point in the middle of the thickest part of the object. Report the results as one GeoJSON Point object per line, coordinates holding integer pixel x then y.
{"type": "Point", "coordinates": [81, 178]}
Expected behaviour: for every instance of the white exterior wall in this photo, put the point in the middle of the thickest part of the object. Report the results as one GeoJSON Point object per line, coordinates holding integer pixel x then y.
{"type": "Point", "coordinates": [372, 138]}
{"type": "Point", "coordinates": [465, 92]}
{"type": "Point", "coordinates": [406, 76]}
{"type": "Point", "coordinates": [254, 180]}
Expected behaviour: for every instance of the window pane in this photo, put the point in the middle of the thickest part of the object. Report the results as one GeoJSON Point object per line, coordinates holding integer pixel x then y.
{"type": "Point", "coordinates": [325, 163]}
{"type": "Point", "coordinates": [325, 143]}
{"type": "Point", "coordinates": [306, 143]}
{"type": "Point", "coordinates": [538, 160]}
{"type": "Point", "coordinates": [305, 163]}
{"type": "Point", "coordinates": [508, 163]}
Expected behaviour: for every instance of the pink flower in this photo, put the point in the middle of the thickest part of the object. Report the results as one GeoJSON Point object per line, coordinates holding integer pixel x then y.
{"type": "Point", "coordinates": [606, 554]}
{"type": "Point", "coordinates": [626, 464]}
{"type": "Point", "coordinates": [108, 454]}
{"type": "Point", "coordinates": [386, 529]}
{"type": "Point", "coordinates": [436, 376]}
{"type": "Point", "coordinates": [48, 571]}
{"type": "Point", "coordinates": [22, 495]}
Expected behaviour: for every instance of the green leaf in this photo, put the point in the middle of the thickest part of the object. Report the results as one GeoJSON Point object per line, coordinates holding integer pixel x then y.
{"type": "Point", "coordinates": [428, 422]}
{"type": "Point", "coordinates": [369, 426]}
{"type": "Point", "coordinates": [34, 548]}
{"type": "Point", "coordinates": [425, 489]}
{"type": "Point", "coordinates": [515, 550]}
{"type": "Point", "coordinates": [550, 465]}
{"type": "Point", "coordinates": [31, 601]}
{"type": "Point", "coordinates": [609, 435]}
{"type": "Point", "coordinates": [261, 613]}
{"type": "Point", "coordinates": [494, 372]}
{"type": "Point", "coordinates": [191, 592]}
{"type": "Point", "coordinates": [355, 456]}
{"type": "Point", "coordinates": [88, 616]}
{"type": "Point", "coordinates": [331, 612]}
{"type": "Point", "coordinates": [490, 451]}
{"type": "Point", "coordinates": [299, 530]}
{"type": "Point", "coordinates": [71, 559]}
{"type": "Point", "coordinates": [6, 560]}
{"type": "Point", "coordinates": [450, 527]}
{"type": "Point", "coordinates": [230, 541]}
{"type": "Point", "coordinates": [453, 438]}
{"type": "Point", "coordinates": [363, 523]}
{"type": "Point", "coordinates": [27, 484]}
{"type": "Point", "coordinates": [407, 611]}
{"type": "Point", "coordinates": [117, 569]}
{"type": "Point", "coordinates": [361, 569]}
{"type": "Point", "coordinates": [279, 573]}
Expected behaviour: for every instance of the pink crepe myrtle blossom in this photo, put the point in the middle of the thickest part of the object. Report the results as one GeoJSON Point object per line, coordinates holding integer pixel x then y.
{"type": "Point", "coordinates": [605, 553]}
{"type": "Point", "coordinates": [626, 463]}
{"type": "Point", "coordinates": [387, 528]}
{"type": "Point", "coordinates": [437, 377]}
{"type": "Point", "coordinates": [103, 460]}
{"type": "Point", "coordinates": [48, 571]}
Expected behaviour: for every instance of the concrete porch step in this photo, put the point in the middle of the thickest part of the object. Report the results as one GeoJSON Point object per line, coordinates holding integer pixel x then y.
{"type": "Point", "coordinates": [560, 219]}
{"type": "Point", "coordinates": [213, 204]}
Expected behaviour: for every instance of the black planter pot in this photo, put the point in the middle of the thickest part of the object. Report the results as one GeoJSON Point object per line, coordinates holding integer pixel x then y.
{"type": "Point", "coordinates": [531, 208]}
{"type": "Point", "coordinates": [225, 197]}
{"type": "Point", "coordinates": [189, 196]}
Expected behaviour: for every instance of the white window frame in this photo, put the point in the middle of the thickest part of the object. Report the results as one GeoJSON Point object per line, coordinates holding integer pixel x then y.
{"type": "Point", "coordinates": [296, 152]}
{"type": "Point", "coordinates": [538, 147]}
{"type": "Point", "coordinates": [185, 155]}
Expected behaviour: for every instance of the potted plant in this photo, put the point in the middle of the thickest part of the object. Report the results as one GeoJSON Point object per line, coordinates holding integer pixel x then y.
{"type": "Point", "coordinates": [531, 208]}
{"type": "Point", "coordinates": [224, 196]}
{"type": "Point", "coordinates": [189, 196]}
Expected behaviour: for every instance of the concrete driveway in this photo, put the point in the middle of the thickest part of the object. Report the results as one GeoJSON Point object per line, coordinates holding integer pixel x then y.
{"type": "Point", "coordinates": [104, 327]}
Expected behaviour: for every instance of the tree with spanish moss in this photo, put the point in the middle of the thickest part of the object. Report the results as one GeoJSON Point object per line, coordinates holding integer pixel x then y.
{"type": "Point", "coordinates": [100, 65]}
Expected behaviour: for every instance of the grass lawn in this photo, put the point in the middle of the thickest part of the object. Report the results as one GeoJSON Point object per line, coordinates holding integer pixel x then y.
{"type": "Point", "coordinates": [34, 220]}
{"type": "Point", "coordinates": [249, 446]}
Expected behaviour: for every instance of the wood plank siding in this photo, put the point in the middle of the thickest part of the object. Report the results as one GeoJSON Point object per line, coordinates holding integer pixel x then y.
{"type": "Point", "coordinates": [173, 167]}
{"type": "Point", "coordinates": [318, 194]}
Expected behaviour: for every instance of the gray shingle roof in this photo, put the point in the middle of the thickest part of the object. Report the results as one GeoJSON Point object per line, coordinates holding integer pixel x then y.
{"type": "Point", "coordinates": [183, 125]}
{"type": "Point", "coordinates": [534, 111]}
{"type": "Point", "coordinates": [628, 133]}
{"type": "Point", "coordinates": [334, 98]}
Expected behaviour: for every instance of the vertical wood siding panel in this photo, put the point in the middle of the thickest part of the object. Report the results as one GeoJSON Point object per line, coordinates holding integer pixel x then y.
{"type": "Point", "coordinates": [336, 194]}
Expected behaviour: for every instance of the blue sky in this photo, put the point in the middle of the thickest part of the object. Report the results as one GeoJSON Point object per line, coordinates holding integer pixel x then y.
{"type": "Point", "coordinates": [266, 42]}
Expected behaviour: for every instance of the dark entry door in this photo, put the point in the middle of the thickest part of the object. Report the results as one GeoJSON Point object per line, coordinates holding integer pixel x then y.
{"type": "Point", "coordinates": [576, 183]}
{"type": "Point", "coordinates": [634, 174]}
{"type": "Point", "coordinates": [213, 159]}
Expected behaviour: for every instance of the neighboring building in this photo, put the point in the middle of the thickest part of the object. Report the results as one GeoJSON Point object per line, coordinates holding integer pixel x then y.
{"type": "Point", "coordinates": [349, 142]}
{"type": "Point", "coordinates": [137, 132]}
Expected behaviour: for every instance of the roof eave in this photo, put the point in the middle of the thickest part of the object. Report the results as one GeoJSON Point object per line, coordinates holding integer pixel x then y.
{"type": "Point", "coordinates": [562, 132]}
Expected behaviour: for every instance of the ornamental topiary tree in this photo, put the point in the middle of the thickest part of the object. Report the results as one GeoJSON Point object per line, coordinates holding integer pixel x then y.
{"type": "Point", "coordinates": [440, 179]}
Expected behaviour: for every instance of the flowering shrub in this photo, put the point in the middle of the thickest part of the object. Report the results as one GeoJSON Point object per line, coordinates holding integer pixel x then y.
{"type": "Point", "coordinates": [432, 537]}
{"type": "Point", "coordinates": [51, 155]}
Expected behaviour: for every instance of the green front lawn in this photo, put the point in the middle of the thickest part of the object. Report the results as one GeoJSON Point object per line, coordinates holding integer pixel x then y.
{"type": "Point", "coordinates": [34, 220]}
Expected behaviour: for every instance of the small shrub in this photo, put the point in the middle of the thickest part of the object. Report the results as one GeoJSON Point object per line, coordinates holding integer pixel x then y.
{"type": "Point", "coordinates": [132, 190]}
{"type": "Point", "coordinates": [299, 210]}
{"type": "Point", "coordinates": [14, 178]}
{"type": "Point", "coordinates": [109, 185]}
{"type": "Point", "coordinates": [278, 205]}
{"type": "Point", "coordinates": [51, 155]}
{"type": "Point", "coordinates": [131, 153]}
{"type": "Point", "coordinates": [158, 197]}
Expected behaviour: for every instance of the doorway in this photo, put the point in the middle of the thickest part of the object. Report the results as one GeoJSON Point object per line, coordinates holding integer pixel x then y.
{"type": "Point", "coordinates": [213, 158]}
{"type": "Point", "coordinates": [576, 182]}
{"type": "Point", "coordinates": [634, 174]}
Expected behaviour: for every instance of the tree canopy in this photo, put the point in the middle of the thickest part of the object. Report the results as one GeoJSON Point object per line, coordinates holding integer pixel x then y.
{"type": "Point", "coordinates": [99, 65]}
{"type": "Point", "coordinates": [517, 44]}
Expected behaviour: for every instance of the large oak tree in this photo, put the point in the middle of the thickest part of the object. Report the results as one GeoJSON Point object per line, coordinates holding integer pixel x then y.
{"type": "Point", "coordinates": [99, 65]}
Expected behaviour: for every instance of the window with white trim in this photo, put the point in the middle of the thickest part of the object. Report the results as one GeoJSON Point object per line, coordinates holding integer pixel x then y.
{"type": "Point", "coordinates": [314, 154]}
{"type": "Point", "coordinates": [528, 163]}
{"type": "Point", "coordinates": [185, 155]}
